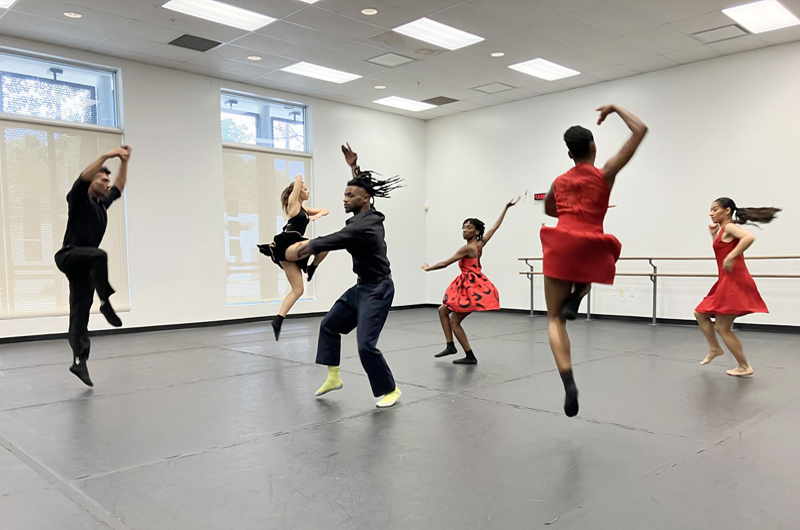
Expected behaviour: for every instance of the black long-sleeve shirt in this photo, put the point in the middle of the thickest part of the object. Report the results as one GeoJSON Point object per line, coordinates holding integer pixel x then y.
{"type": "Point", "coordinates": [365, 239]}
{"type": "Point", "coordinates": [87, 220]}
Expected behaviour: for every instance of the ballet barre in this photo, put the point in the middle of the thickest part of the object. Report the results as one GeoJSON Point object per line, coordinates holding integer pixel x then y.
{"type": "Point", "coordinates": [655, 275]}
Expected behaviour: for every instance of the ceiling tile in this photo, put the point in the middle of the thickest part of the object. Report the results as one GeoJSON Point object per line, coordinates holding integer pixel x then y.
{"type": "Point", "coordinates": [272, 8]}
{"type": "Point", "coordinates": [532, 41]}
{"type": "Point", "coordinates": [156, 49]}
{"type": "Point", "coordinates": [132, 9]}
{"type": "Point", "coordinates": [424, 7]}
{"type": "Point", "coordinates": [295, 81]}
{"type": "Point", "coordinates": [524, 12]}
{"type": "Point", "coordinates": [581, 59]}
{"type": "Point", "coordinates": [673, 10]}
{"type": "Point", "coordinates": [502, 75]}
{"type": "Point", "coordinates": [483, 50]}
{"type": "Point", "coordinates": [488, 100]}
{"type": "Point", "coordinates": [453, 63]}
{"type": "Point", "coordinates": [55, 10]}
{"type": "Point", "coordinates": [210, 72]}
{"type": "Point", "coordinates": [692, 55]}
{"type": "Point", "coordinates": [297, 34]}
{"type": "Point", "coordinates": [465, 105]}
{"type": "Point", "coordinates": [359, 51]}
{"type": "Point", "coordinates": [739, 44]}
{"type": "Point", "coordinates": [339, 62]}
{"type": "Point", "coordinates": [389, 16]}
{"type": "Point", "coordinates": [572, 30]}
{"type": "Point", "coordinates": [662, 39]}
{"type": "Point", "coordinates": [579, 81]}
{"type": "Point", "coordinates": [703, 22]}
{"type": "Point", "coordinates": [319, 19]}
{"type": "Point", "coordinates": [517, 94]}
{"type": "Point", "coordinates": [220, 64]}
{"type": "Point", "coordinates": [151, 32]}
{"type": "Point", "coordinates": [24, 24]}
{"type": "Point", "coordinates": [363, 88]}
{"type": "Point", "coordinates": [404, 45]}
{"type": "Point", "coordinates": [443, 111]}
{"type": "Point", "coordinates": [401, 78]}
{"type": "Point", "coordinates": [239, 54]}
{"type": "Point", "coordinates": [548, 88]}
{"type": "Point", "coordinates": [469, 18]}
{"type": "Point", "coordinates": [619, 50]}
{"type": "Point", "coordinates": [574, 6]}
{"type": "Point", "coordinates": [192, 25]}
{"type": "Point", "coordinates": [136, 56]}
{"type": "Point", "coordinates": [619, 17]}
{"type": "Point", "coordinates": [13, 29]}
{"type": "Point", "coordinates": [651, 64]}
{"type": "Point", "coordinates": [277, 47]}
{"type": "Point", "coordinates": [614, 72]}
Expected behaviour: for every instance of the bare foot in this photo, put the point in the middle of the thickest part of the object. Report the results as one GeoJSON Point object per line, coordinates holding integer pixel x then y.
{"type": "Point", "coordinates": [741, 371]}
{"type": "Point", "coordinates": [711, 355]}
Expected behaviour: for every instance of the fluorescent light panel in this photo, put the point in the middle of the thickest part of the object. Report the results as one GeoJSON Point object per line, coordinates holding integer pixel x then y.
{"type": "Point", "coordinates": [441, 35]}
{"type": "Point", "coordinates": [220, 13]}
{"type": "Point", "coordinates": [6, 3]}
{"type": "Point", "coordinates": [405, 104]}
{"type": "Point", "coordinates": [544, 69]}
{"type": "Point", "coordinates": [320, 72]}
{"type": "Point", "coordinates": [759, 17]}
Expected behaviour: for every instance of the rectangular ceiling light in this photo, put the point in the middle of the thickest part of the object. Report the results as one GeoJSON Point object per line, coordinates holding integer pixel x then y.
{"type": "Point", "coordinates": [405, 104]}
{"type": "Point", "coordinates": [544, 69]}
{"type": "Point", "coordinates": [759, 17]}
{"type": "Point", "coordinates": [6, 3]}
{"type": "Point", "coordinates": [428, 30]}
{"type": "Point", "coordinates": [320, 72]}
{"type": "Point", "coordinates": [220, 13]}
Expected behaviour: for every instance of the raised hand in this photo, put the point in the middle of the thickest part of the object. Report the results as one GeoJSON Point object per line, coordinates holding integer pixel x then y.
{"type": "Point", "coordinates": [426, 267]}
{"type": "Point", "coordinates": [350, 156]}
{"type": "Point", "coordinates": [604, 111]}
{"type": "Point", "coordinates": [512, 202]}
{"type": "Point", "coordinates": [127, 154]}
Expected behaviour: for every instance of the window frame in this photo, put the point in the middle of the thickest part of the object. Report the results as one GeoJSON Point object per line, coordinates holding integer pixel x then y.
{"type": "Point", "coordinates": [284, 120]}
{"type": "Point", "coordinates": [306, 152]}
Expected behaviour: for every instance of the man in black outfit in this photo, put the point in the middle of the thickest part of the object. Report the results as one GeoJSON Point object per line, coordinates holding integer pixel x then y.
{"type": "Point", "coordinates": [366, 305]}
{"type": "Point", "coordinates": [80, 259]}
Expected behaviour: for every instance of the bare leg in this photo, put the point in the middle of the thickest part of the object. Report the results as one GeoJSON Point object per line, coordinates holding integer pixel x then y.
{"type": "Point", "coordinates": [723, 325]}
{"type": "Point", "coordinates": [555, 293]}
{"type": "Point", "coordinates": [461, 335]}
{"type": "Point", "coordinates": [295, 277]}
{"type": "Point", "coordinates": [707, 327]}
{"type": "Point", "coordinates": [444, 318]}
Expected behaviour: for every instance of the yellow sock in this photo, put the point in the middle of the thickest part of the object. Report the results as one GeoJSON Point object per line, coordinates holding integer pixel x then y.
{"type": "Point", "coordinates": [332, 383]}
{"type": "Point", "coordinates": [390, 399]}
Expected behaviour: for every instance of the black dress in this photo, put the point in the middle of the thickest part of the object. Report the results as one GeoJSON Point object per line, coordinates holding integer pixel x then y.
{"type": "Point", "coordinates": [292, 233]}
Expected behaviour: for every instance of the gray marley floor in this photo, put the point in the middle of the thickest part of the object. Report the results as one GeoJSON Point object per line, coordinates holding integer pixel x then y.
{"type": "Point", "coordinates": [217, 428]}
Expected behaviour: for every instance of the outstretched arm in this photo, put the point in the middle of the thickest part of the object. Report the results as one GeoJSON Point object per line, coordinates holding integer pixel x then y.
{"type": "Point", "coordinates": [122, 174]}
{"type": "Point", "coordinates": [92, 169]}
{"type": "Point", "coordinates": [316, 213]}
{"type": "Point", "coordinates": [351, 157]}
{"type": "Point", "coordinates": [745, 240]}
{"type": "Point", "coordinates": [335, 241]}
{"type": "Point", "coordinates": [489, 233]}
{"type": "Point", "coordinates": [293, 203]}
{"type": "Point", "coordinates": [621, 159]}
{"type": "Point", "coordinates": [463, 252]}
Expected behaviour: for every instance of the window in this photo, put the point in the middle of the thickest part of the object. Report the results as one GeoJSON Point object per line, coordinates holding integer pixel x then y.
{"type": "Point", "coordinates": [264, 123]}
{"type": "Point", "coordinates": [44, 89]}
{"type": "Point", "coordinates": [39, 162]}
{"type": "Point", "coordinates": [253, 182]}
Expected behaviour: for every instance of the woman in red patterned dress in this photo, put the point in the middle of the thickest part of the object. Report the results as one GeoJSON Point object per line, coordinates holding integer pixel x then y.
{"type": "Point", "coordinates": [735, 293]}
{"type": "Point", "coordinates": [577, 252]}
{"type": "Point", "coordinates": [472, 290]}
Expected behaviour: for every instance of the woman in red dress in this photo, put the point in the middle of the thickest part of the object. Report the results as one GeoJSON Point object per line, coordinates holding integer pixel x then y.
{"type": "Point", "coordinates": [735, 293]}
{"type": "Point", "coordinates": [471, 290]}
{"type": "Point", "coordinates": [577, 252]}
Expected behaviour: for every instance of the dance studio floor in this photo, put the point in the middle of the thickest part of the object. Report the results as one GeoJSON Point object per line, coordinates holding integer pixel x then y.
{"type": "Point", "coordinates": [217, 428]}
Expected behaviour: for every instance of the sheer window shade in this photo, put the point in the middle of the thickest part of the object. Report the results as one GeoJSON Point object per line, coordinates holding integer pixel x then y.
{"type": "Point", "coordinates": [38, 165]}
{"type": "Point", "coordinates": [253, 182]}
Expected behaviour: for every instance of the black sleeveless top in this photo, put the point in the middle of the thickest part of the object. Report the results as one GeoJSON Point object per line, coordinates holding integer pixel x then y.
{"type": "Point", "coordinates": [298, 223]}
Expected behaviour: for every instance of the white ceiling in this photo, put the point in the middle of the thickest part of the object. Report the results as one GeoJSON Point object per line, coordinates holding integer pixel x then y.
{"type": "Point", "coordinates": [603, 39]}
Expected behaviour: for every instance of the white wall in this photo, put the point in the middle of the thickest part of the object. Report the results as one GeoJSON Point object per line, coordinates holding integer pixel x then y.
{"type": "Point", "coordinates": [727, 126]}
{"type": "Point", "coordinates": [171, 119]}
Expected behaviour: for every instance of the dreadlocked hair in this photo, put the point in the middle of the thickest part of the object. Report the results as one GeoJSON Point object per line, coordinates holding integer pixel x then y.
{"type": "Point", "coordinates": [478, 224]}
{"type": "Point", "coordinates": [376, 187]}
{"type": "Point", "coordinates": [742, 216]}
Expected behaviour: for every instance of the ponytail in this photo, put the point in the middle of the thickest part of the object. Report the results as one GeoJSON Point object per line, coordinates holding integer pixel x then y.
{"type": "Point", "coordinates": [742, 216]}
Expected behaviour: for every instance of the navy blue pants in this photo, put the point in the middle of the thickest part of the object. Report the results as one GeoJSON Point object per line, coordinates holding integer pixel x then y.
{"type": "Point", "coordinates": [365, 307]}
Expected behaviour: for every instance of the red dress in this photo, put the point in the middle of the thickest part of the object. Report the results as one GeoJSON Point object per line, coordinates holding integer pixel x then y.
{"type": "Point", "coordinates": [577, 250]}
{"type": "Point", "coordinates": [472, 290]}
{"type": "Point", "coordinates": [735, 292]}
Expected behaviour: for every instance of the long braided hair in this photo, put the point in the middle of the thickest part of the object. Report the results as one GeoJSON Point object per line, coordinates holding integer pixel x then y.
{"type": "Point", "coordinates": [742, 216]}
{"type": "Point", "coordinates": [376, 187]}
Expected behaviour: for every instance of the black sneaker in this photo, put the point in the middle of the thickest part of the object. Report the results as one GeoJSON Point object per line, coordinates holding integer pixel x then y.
{"type": "Point", "coordinates": [81, 371]}
{"type": "Point", "coordinates": [108, 312]}
{"type": "Point", "coordinates": [311, 270]}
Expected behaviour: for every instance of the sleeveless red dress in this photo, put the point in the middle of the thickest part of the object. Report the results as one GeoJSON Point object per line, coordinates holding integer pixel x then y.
{"type": "Point", "coordinates": [735, 292]}
{"type": "Point", "coordinates": [577, 250]}
{"type": "Point", "coordinates": [472, 290]}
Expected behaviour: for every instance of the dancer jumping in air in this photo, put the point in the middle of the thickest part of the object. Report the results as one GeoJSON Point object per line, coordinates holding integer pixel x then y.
{"type": "Point", "coordinates": [471, 290]}
{"type": "Point", "coordinates": [292, 200]}
{"type": "Point", "coordinates": [577, 252]}
{"type": "Point", "coordinates": [80, 259]}
{"type": "Point", "coordinates": [365, 306]}
{"type": "Point", "coordinates": [735, 293]}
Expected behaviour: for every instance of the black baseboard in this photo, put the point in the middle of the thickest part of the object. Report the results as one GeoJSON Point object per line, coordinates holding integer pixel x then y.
{"type": "Point", "coordinates": [774, 328]}
{"type": "Point", "coordinates": [188, 325]}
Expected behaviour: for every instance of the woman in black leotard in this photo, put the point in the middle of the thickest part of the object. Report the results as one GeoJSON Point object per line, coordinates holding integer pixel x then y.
{"type": "Point", "coordinates": [292, 200]}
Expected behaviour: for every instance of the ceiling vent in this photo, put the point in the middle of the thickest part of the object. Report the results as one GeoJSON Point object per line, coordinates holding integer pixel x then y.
{"type": "Point", "coordinates": [493, 88]}
{"type": "Point", "coordinates": [718, 34]}
{"type": "Point", "coordinates": [192, 42]}
{"type": "Point", "coordinates": [439, 101]}
{"type": "Point", "coordinates": [390, 60]}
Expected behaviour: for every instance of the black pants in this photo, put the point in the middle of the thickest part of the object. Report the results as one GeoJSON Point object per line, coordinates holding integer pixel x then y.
{"type": "Point", "coordinates": [86, 269]}
{"type": "Point", "coordinates": [364, 306]}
